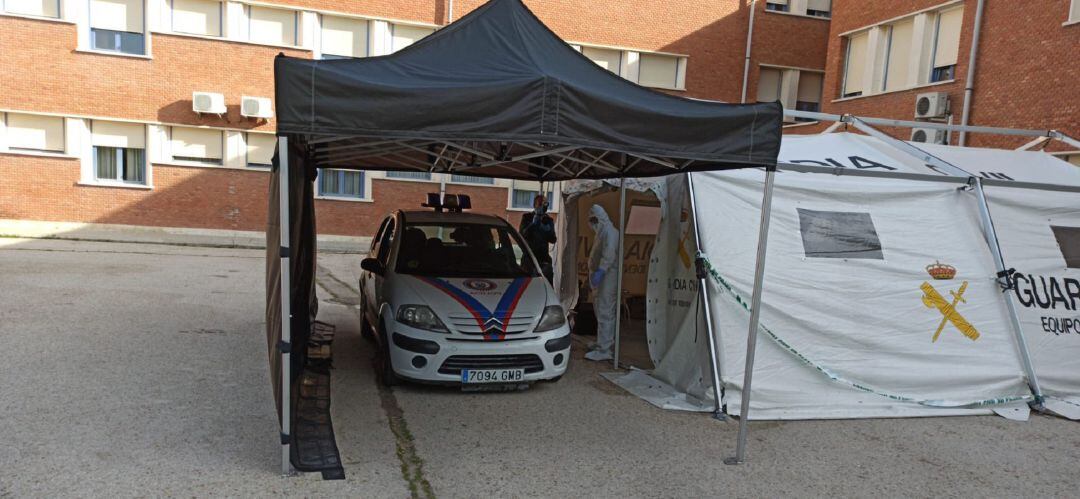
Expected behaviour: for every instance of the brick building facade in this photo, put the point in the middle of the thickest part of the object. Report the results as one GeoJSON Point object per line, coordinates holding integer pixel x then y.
{"type": "Point", "coordinates": [96, 97]}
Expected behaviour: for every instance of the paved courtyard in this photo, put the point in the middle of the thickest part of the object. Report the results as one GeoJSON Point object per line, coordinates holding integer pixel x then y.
{"type": "Point", "coordinates": [141, 370]}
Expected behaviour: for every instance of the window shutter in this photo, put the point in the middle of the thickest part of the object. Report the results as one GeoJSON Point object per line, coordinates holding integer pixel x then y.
{"type": "Point", "coordinates": [608, 59]}
{"type": "Point", "coordinates": [273, 26]}
{"type": "Point", "coordinates": [768, 87]}
{"type": "Point", "coordinates": [405, 35]}
{"type": "Point", "coordinates": [31, 131]}
{"type": "Point", "coordinates": [899, 54]}
{"type": "Point", "coordinates": [260, 148]}
{"type": "Point", "coordinates": [196, 143]}
{"type": "Point", "coordinates": [200, 17]}
{"type": "Point", "coordinates": [116, 134]}
{"type": "Point", "coordinates": [44, 8]}
{"type": "Point", "coordinates": [948, 38]}
{"type": "Point", "coordinates": [778, 2]}
{"type": "Point", "coordinates": [344, 36]}
{"type": "Point", "coordinates": [658, 71]}
{"type": "Point", "coordinates": [822, 5]}
{"type": "Point", "coordinates": [809, 87]}
{"type": "Point", "coordinates": [117, 15]}
{"type": "Point", "coordinates": [855, 64]}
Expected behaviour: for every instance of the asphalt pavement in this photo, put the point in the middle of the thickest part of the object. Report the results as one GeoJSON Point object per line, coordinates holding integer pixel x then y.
{"type": "Point", "coordinates": [141, 370]}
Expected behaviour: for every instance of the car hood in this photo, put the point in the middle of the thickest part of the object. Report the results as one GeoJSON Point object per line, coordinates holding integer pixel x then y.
{"type": "Point", "coordinates": [483, 306]}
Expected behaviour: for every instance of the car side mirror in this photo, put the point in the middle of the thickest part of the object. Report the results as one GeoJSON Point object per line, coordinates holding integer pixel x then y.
{"type": "Point", "coordinates": [373, 265]}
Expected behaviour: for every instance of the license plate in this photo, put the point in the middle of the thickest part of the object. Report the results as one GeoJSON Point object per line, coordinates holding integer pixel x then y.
{"type": "Point", "coordinates": [469, 376]}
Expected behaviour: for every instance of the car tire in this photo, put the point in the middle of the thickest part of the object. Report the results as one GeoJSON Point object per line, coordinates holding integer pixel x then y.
{"type": "Point", "coordinates": [384, 364]}
{"type": "Point", "coordinates": [366, 331]}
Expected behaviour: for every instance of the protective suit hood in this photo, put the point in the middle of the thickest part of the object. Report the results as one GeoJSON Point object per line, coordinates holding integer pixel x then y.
{"type": "Point", "coordinates": [600, 214]}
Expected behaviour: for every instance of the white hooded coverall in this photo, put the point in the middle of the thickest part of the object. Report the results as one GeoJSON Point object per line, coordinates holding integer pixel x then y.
{"type": "Point", "coordinates": [604, 256]}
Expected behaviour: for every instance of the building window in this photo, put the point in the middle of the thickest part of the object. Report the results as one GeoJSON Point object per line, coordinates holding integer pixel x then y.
{"type": "Point", "coordinates": [898, 55]}
{"type": "Point", "coordinates": [946, 45]}
{"type": "Point", "coordinates": [524, 191]}
{"type": "Point", "coordinates": [343, 37]}
{"type": "Point", "coordinates": [341, 183]}
{"type": "Point", "coordinates": [1074, 11]}
{"type": "Point", "coordinates": [819, 8]}
{"type": "Point", "coordinates": [196, 145]}
{"type": "Point", "coordinates": [272, 26]}
{"type": "Point", "coordinates": [838, 234]}
{"type": "Point", "coordinates": [854, 64]}
{"type": "Point", "coordinates": [409, 175]}
{"type": "Point", "coordinates": [808, 97]}
{"type": "Point", "coordinates": [119, 151]}
{"type": "Point", "coordinates": [470, 179]}
{"type": "Point", "coordinates": [197, 17]}
{"type": "Point", "coordinates": [608, 59]}
{"type": "Point", "coordinates": [405, 35]}
{"type": "Point", "coordinates": [260, 150]}
{"type": "Point", "coordinates": [31, 132]}
{"type": "Point", "coordinates": [117, 26]}
{"type": "Point", "coordinates": [659, 70]}
{"type": "Point", "coordinates": [39, 8]}
{"type": "Point", "coordinates": [768, 89]}
{"type": "Point", "coordinates": [795, 89]}
{"type": "Point", "coordinates": [777, 5]}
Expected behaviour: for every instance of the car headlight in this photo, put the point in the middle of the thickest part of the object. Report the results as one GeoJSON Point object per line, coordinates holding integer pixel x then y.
{"type": "Point", "coordinates": [420, 317]}
{"type": "Point", "coordinates": [552, 318]}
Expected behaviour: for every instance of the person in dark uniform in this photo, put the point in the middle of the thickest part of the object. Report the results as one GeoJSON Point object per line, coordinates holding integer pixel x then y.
{"type": "Point", "coordinates": [538, 229]}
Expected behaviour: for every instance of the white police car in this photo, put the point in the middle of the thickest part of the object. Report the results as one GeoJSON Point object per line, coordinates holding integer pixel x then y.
{"type": "Point", "coordinates": [453, 297]}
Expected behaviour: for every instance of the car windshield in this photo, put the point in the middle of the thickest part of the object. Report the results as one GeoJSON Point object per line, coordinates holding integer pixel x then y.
{"type": "Point", "coordinates": [463, 250]}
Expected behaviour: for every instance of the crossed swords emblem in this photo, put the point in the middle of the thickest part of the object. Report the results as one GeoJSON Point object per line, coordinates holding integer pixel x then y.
{"type": "Point", "coordinates": [933, 299]}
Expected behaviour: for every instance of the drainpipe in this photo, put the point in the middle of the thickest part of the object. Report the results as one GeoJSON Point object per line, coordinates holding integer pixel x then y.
{"type": "Point", "coordinates": [450, 12]}
{"type": "Point", "coordinates": [969, 82]}
{"type": "Point", "coordinates": [749, 40]}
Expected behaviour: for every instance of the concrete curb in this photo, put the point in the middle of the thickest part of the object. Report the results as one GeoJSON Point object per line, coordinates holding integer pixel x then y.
{"type": "Point", "coordinates": [178, 236]}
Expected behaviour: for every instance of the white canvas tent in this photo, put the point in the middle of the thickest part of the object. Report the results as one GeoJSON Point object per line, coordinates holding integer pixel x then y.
{"type": "Point", "coordinates": [847, 320]}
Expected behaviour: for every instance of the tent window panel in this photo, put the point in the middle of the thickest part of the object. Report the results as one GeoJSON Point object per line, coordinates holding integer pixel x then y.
{"type": "Point", "coordinates": [768, 87]}
{"type": "Point", "coordinates": [31, 132]}
{"type": "Point", "coordinates": [260, 150]}
{"type": "Point", "coordinates": [272, 26]}
{"type": "Point", "coordinates": [1068, 239]}
{"type": "Point", "coordinates": [344, 37]}
{"type": "Point", "coordinates": [608, 59]}
{"type": "Point", "coordinates": [341, 183]}
{"type": "Point", "coordinates": [471, 179]}
{"type": "Point", "coordinates": [405, 35]}
{"type": "Point", "coordinates": [899, 55]}
{"type": "Point", "coordinates": [855, 64]}
{"type": "Point", "coordinates": [42, 8]}
{"type": "Point", "coordinates": [946, 44]}
{"type": "Point", "coordinates": [197, 145]}
{"type": "Point", "coordinates": [661, 71]}
{"type": "Point", "coordinates": [198, 17]}
{"type": "Point", "coordinates": [839, 234]}
{"type": "Point", "coordinates": [409, 175]}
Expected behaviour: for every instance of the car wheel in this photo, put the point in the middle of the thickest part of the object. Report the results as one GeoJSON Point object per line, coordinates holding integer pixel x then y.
{"type": "Point", "coordinates": [384, 364]}
{"type": "Point", "coordinates": [366, 331]}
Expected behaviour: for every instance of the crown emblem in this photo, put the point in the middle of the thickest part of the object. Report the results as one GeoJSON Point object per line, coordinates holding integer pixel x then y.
{"type": "Point", "coordinates": [941, 271]}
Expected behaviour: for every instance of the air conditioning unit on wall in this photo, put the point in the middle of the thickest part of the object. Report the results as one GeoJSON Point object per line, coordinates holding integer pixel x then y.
{"type": "Point", "coordinates": [208, 102]}
{"type": "Point", "coordinates": [928, 135]}
{"type": "Point", "coordinates": [256, 107]}
{"type": "Point", "coordinates": [931, 105]}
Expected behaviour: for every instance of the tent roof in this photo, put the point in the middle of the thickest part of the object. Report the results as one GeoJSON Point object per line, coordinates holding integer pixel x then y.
{"type": "Point", "coordinates": [498, 94]}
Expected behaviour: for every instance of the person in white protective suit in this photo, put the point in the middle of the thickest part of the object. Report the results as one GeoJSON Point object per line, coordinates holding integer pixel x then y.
{"type": "Point", "coordinates": [603, 279]}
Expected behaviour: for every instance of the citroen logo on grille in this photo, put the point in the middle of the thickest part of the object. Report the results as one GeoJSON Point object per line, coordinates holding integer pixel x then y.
{"type": "Point", "coordinates": [493, 324]}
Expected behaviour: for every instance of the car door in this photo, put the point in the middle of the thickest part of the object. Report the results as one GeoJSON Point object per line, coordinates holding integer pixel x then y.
{"type": "Point", "coordinates": [367, 279]}
{"type": "Point", "coordinates": [375, 281]}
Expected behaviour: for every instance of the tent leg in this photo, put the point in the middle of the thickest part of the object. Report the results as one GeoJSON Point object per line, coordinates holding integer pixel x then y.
{"type": "Point", "coordinates": [755, 316]}
{"type": "Point", "coordinates": [619, 276]}
{"type": "Point", "coordinates": [1010, 304]}
{"type": "Point", "coordinates": [703, 288]}
{"type": "Point", "coordinates": [285, 230]}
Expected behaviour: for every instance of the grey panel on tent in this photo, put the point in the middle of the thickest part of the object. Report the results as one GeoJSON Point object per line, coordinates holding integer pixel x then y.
{"type": "Point", "coordinates": [839, 234]}
{"type": "Point", "coordinates": [1068, 239]}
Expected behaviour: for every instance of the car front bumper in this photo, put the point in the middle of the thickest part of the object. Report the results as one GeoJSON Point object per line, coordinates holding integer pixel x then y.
{"type": "Point", "coordinates": [414, 356]}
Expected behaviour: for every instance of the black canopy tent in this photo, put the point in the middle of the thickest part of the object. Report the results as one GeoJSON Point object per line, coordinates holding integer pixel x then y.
{"type": "Point", "coordinates": [495, 94]}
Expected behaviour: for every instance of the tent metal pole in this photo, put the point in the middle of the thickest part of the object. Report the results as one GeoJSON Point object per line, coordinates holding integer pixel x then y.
{"type": "Point", "coordinates": [285, 231]}
{"type": "Point", "coordinates": [995, 247]}
{"type": "Point", "coordinates": [755, 316]}
{"type": "Point", "coordinates": [703, 292]}
{"type": "Point", "coordinates": [621, 262]}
